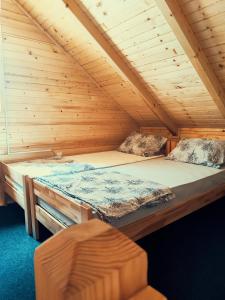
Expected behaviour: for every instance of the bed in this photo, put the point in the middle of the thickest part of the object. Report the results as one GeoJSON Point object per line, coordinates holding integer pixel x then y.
{"type": "Point", "coordinates": [17, 169]}
{"type": "Point", "coordinates": [13, 184]}
{"type": "Point", "coordinates": [194, 186]}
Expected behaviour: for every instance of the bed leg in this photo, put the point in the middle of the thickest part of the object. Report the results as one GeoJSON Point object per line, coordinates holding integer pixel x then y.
{"type": "Point", "coordinates": [32, 199]}
{"type": "Point", "coordinates": [27, 211]}
{"type": "Point", "coordinates": [2, 193]}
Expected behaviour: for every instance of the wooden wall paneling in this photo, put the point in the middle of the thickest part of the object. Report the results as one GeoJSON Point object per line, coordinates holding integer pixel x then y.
{"type": "Point", "coordinates": [1, 66]}
{"type": "Point", "coordinates": [51, 101]}
{"type": "Point", "coordinates": [156, 131]}
{"type": "Point", "coordinates": [53, 34]}
{"type": "Point", "coordinates": [216, 133]}
{"type": "Point", "coordinates": [3, 120]}
{"type": "Point", "coordinates": [183, 132]}
{"type": "Point", "coordinates": [74, 38]}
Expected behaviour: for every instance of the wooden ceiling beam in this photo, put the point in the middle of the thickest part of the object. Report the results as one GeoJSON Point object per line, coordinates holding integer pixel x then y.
{"type": "Point", "coordinates": [178, 22]}
{"type": "Point", "coordinates": [119, 63]}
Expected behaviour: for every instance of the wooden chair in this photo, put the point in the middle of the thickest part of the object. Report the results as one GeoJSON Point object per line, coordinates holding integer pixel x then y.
{"type": "Point", "coordinates": [92, 261]}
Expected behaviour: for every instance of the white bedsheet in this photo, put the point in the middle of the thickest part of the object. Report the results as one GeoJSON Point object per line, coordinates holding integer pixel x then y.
{"type": "Point", "coordinates": [167, 172]}
{"type": "Point", "coordinates": [98, 159]}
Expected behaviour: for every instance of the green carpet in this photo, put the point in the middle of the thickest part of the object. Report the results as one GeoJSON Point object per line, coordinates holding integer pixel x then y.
{"type": "Point", "coordinates": [186, 258]}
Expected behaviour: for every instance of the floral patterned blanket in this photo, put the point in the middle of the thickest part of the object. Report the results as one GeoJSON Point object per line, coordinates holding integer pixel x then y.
{"type": "Point", "coordinates": [111, 194]}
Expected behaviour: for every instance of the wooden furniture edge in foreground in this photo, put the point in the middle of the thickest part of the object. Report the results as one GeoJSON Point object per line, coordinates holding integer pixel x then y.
{"type": "Point", "coordinates": [92, 261]}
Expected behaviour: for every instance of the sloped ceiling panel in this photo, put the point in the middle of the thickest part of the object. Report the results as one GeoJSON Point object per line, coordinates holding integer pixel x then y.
{"type": "Point", "coordinates": [68, 31]}
{"type": "Point", "coordinates": [207, 19]}
{"type": "Point", "coordinates": [140, 32]}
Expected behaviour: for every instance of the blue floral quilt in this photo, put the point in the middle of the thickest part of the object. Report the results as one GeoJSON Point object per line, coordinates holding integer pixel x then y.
{"type": "Point", "coordinates": [110, 193]}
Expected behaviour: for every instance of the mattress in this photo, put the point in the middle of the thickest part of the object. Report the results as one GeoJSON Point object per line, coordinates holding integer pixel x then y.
{"type": "Point", "coordinates": [39, 167]}
{"type": "Point", "coordinates": [167, 172]}
{"type": "Point", "coordinates": [185, 180]}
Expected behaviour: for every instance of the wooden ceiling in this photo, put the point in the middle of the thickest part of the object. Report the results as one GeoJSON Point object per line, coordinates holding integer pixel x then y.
{"type": "Point", "coordinates": [163, 61]}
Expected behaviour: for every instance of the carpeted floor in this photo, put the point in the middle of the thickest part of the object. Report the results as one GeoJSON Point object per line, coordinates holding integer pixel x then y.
{"type": "Point", "coordinates": [16, 256]}
{"type": "Point", "coordinates": [186, 258]}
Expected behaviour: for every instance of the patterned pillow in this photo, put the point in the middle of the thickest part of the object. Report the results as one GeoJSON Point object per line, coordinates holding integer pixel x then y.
{"type": "Point", "coordinates": [198, 151]}
{"type": "Point", "coordinates": [130, 141]}
{"type": "Point", "coordinates": [143, 145]}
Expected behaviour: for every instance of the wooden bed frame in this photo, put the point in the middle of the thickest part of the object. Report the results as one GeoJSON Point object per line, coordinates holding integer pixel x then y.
{"type": "Point", "coordinates": [15, 184]}
{"type": "Point", "coordinates": [82, 213]}
{"type": "Point", "coordinates": [76, 212]}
